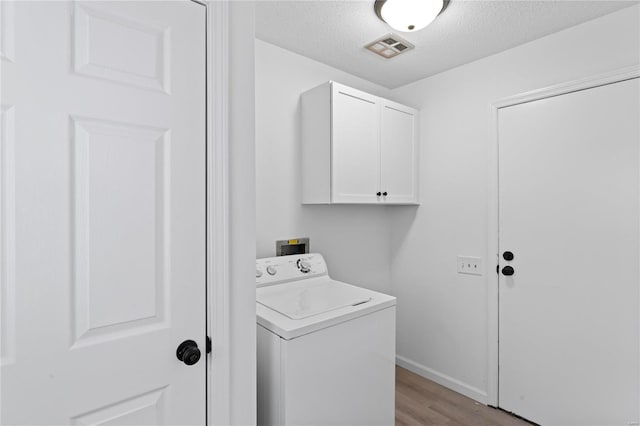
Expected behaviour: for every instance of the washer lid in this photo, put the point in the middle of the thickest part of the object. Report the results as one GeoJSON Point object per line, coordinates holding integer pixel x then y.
{"type": "Point", "coordinates": [304, 299]}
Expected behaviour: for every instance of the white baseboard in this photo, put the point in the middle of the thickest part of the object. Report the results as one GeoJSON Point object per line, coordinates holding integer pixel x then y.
{"type": "Point", "coordinates": [444, 380]}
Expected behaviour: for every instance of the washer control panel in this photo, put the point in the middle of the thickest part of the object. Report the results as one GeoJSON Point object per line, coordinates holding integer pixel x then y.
{"type": "Point", "coordinates": [276, 270]}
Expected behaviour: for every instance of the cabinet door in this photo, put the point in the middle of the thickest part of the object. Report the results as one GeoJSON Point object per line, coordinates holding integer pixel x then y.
{"type": "Point", "coordinates": [399, 172]}
{"type": "Point", "coordinates": [355, 149]}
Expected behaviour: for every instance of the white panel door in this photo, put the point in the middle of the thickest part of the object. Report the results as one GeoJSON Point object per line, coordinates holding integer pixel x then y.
{"type": "Point", "coordinates": [569, 315]}
{"type": "Point", "coordinates": [398, 156]}
{"type": "Point", "coordinates": [103, 212]}
{"type": "Point", "coordinates": [355, 146]}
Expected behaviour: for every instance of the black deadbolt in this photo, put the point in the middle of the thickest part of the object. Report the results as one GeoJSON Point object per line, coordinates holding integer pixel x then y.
{"type": "Point", "coordinates": [188, 352]}
{"type": "Point", "coordinates": [378, 193]}
{"type": "Point", "coordinates": [508, 271]}
{"type": "Point", "coordinates": [384, 193]}
{"type": "Point", "coordinates": [507, 255]}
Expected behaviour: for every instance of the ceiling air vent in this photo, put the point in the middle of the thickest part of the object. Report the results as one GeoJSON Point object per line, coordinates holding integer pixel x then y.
{"type": "Point", "coordinates": [389, 46]}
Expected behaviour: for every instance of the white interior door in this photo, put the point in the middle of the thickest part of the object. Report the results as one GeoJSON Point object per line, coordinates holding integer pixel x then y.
{"type": "Point", "coordinates": [569, 314]}
{"type": "Point", "coordinates": [103, 212]}
{"type": "Point", "coordinates": [398, 156]}
{"type": "Point", "coordinates": [355, 146]}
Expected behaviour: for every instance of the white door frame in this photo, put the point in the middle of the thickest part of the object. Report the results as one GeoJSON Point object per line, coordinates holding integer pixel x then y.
{"type": "Point", "coordinates": [493, 213]}
{"type": "Point", "coordinates": [218, 361]}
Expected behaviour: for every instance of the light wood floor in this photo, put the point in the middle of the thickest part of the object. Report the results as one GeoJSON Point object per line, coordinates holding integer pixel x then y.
{"type": "Point", "coordinates": [422, 402]}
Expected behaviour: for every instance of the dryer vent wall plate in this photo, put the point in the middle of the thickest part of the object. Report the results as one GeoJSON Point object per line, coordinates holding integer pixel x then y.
{"type": "Point", "coordinates": [292, 246]}
{"type": "Point", "coordinates": [389, 46]}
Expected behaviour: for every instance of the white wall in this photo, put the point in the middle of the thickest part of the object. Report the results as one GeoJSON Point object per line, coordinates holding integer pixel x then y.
{"type": "Point", "coordinates": [442, 316]}
{"type": "Point", "coordinates": [353, 239]}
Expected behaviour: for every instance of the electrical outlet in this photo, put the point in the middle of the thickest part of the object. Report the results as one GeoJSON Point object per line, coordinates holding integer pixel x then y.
{"type": "Point", "coordinates": [470, 265]}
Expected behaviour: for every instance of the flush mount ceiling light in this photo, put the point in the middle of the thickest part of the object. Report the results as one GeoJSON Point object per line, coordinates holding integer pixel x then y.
{"type": "Point", "coordinates": [409, 15]}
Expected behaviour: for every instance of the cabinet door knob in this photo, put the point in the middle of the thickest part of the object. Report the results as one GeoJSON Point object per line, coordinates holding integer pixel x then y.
{"type": "Point", "coordinates": [378, 194]}
{"type": "Point", "coordinates": [384, 193]}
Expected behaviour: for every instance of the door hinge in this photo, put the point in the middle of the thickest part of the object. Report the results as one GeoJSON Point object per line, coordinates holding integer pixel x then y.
{"type": "Point", "coordinates": [208, 344]}
{"type": "Point", "coordinates": [497, 269]}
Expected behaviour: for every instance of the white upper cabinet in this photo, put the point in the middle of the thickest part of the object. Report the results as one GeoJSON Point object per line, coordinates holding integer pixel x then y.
{"type": "Point", "coordinates": [357, 148]}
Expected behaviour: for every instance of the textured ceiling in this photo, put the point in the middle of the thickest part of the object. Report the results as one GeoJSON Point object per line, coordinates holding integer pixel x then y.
{"type": "Point", "coordinates": [334, 32]}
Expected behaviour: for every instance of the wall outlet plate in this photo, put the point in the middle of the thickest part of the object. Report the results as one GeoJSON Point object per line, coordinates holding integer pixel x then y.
{"type": "Point", "coordinates": [470, 265]}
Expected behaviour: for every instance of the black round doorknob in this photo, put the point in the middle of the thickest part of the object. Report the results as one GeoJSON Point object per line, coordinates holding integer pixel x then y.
{"type": "Point", "coordinates": [384, 193]}
{"type": "Point", "coordinates": [378, 193]}
{"type": "Point", "coordinates": [507, 255]}
{"type": "Point", "coordinates": [508, 271]}
{"type": "Point", "coordinates": [188, 352]}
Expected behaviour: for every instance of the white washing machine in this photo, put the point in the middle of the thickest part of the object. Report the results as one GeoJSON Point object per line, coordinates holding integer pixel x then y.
{"type": "Point", "coordinates": [326, 349]}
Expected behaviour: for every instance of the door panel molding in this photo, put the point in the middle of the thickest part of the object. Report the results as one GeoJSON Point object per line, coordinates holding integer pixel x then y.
{"type": "Point", "coordinates": [7, 31]}
{"type": "Point", "coordinates": [95, 322]}
{"type": "Point", "coordinates": [147, 407]}
{"type": "Point", "coordinates": [92, 57]}
{"type": "Point", "coordinates": [616, 76]}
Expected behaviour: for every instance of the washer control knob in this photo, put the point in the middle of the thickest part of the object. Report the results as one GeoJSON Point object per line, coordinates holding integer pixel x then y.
{"type": "Point", "coordinates": [304, 266]}
{"type": "Point", "coordinates": [258, 273]}
{"type": "Point", "coordinates": [271, 270]}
